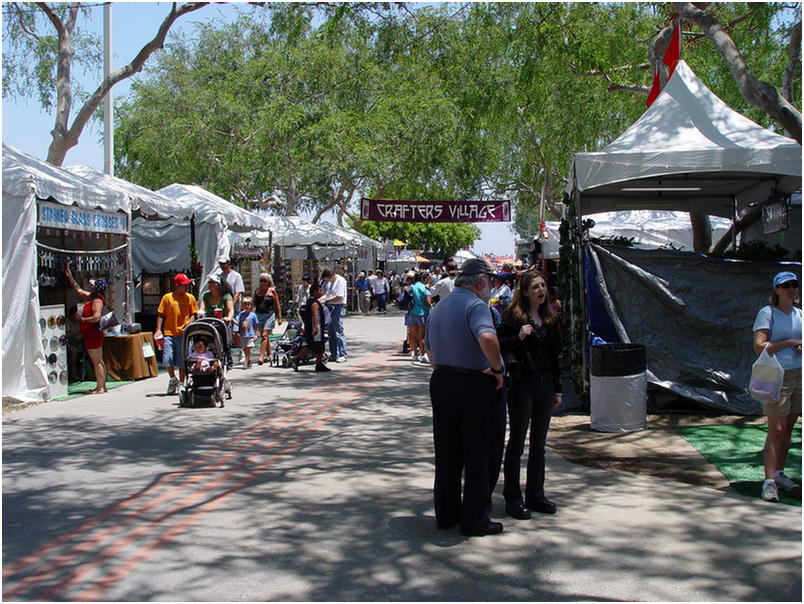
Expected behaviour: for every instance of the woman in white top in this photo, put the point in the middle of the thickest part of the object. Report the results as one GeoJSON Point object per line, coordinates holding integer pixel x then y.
{"type": "Point", "coordinates": [777, 328]}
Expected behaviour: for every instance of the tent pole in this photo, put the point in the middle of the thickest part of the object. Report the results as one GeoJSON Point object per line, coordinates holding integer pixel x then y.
{"type": "Point", "coordinates": [581, 298]}
{"type": "Point", "coordinates": [733, 223]}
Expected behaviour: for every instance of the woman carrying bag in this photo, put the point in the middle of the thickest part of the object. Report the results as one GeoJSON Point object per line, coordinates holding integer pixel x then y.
{"type": "Point", "coordinates": [88, 318]}
{"type": "Point", "coordinates": [778, 327]}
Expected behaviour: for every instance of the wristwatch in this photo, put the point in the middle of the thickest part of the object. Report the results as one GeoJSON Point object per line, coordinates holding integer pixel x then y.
{"type": "Point", "coordinates": [495, 370]}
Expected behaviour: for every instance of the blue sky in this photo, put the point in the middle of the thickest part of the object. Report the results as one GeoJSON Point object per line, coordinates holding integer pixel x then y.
{"type": "Point", "coordinates": [26, 127]}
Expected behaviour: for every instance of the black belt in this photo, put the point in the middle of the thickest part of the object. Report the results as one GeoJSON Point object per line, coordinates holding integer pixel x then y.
{"type": "Point", "coordinates": [462, 370]}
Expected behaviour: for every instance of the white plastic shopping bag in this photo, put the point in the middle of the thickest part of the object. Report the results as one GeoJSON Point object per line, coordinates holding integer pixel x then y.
{"type": "Point", "coordinates": [766, 378]}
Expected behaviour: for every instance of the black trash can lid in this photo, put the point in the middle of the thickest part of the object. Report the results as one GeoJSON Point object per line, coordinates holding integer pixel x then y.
{"type": "Point", "coordinates": [617, 359]}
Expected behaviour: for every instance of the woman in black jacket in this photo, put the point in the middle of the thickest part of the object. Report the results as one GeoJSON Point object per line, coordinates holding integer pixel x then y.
{"type": "Point", "coordinates": [530, 341]}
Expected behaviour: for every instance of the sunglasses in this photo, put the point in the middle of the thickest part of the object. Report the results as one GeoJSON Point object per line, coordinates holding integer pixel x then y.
{"type": "Point", "coordinates": [789, 285]}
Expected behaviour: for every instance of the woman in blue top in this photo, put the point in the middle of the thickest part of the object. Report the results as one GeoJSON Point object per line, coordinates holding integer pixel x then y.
{"type": "Point", "coordinates": [777, 328]}
{"type": "Point", "coordinates": [418, 317]}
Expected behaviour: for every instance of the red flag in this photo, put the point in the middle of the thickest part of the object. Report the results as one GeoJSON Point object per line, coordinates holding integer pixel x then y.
{"type": "Point", "coordinates": [673, 53]}
{"type": "Point", "coordinates": [655, 89]}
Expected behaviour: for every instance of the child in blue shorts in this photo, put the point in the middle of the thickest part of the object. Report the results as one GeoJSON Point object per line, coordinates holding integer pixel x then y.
{"type": "Point", "coordinates": [247, 321]}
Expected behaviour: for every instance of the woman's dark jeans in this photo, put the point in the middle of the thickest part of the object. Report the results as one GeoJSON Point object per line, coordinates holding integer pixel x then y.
{"type": "Point", "coordinates": [530, 401]}
{"type": "Point", "coordinates": [382, 301]}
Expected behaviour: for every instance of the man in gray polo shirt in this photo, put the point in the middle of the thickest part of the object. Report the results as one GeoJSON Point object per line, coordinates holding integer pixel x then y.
{"type": "Point", "coordinates": [468, 409]}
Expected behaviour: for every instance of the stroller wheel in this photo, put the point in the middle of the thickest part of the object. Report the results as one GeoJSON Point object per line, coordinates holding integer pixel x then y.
{"type": "Point", "coordinates": [191, 400]}
{"type": "Point", "coordinates": [228, 390]}
{"type": "Point", "coordinates": [285, 362]}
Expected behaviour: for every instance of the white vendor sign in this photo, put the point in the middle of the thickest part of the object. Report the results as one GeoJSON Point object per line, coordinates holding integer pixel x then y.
{"type": "Point", "coordinates": [57, 216]}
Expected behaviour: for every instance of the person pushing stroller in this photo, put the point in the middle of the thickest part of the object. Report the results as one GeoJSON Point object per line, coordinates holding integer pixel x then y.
{"type": "Point", "coordinates": [314, 318]}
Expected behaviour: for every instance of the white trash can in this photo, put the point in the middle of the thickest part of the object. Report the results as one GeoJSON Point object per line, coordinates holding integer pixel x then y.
{"type": "Point", "coordinates": [618, 387]}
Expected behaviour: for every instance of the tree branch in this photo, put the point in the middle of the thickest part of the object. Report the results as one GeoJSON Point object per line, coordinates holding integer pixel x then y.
{"type": "Point", "coordinates": [596, 73]}
{"type": "Point", "coordinates": [749, 216]}
{"type": "Point", "coordinates": [59, 147]}
{"type": "Point", "coordinates": [21, 21]}
{"type": "Point", "coordinates": [755, 91]}
{"type": "Point", "coordinates": [628, 88]}
{"type": "Point", "coordinates": [794, 56]}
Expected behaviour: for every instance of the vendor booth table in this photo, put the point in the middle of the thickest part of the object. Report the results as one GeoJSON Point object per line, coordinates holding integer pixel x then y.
{"type": "Point", "coordinates": [130, 356]}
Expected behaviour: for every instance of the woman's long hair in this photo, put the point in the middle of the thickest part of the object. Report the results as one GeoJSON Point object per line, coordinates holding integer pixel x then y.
{"type": "Point", "coordinates": [518, 311]}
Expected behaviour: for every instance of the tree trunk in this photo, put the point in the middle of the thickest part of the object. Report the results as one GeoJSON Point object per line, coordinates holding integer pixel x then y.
{"type": "Point", "coordinates": [794, 55]}
{"type": "Point", "coordinates": [749, 217]}
{"type": "Point", "coordinates": [66, 137]}
{"type": "Point", "coordinates": [755, 91]}
{"type": "Point", "coordinates": [701, 232]}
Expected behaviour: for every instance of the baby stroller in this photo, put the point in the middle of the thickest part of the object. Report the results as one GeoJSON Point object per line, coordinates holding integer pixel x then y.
{"type": "Point", "coordinates": [284, 344]}
{"type": "Point", "coordinates": [289, 345]}
{"type": "Point", "coordinates": [206, 388]}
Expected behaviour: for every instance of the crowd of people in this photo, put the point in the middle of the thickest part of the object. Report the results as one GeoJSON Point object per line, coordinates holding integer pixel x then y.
{"type": "Point", "coordinates": [492, 340]}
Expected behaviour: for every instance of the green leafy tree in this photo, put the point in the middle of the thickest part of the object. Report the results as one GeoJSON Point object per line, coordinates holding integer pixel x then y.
{"type": "Point", "coordinates": [313, 119]}
{"type": "Point", "coordinates": [442, 238]}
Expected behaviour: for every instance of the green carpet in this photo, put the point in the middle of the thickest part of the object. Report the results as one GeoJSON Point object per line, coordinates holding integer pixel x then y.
{"type": "Point", "coordinates": [81, 388]}
{"type": "Point", "coordinates": [737, 453]}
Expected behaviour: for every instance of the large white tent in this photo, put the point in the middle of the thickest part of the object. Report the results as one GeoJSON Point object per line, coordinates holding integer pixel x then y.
{"type": "Point", "coordinates": [161, 244]}
{"type": "Point", "coordinates": [690, 152]}
{"type": "Point", "coordinates": [286, 232]}
{"type": "Point", "coordinates": [27, 180]}
{"type": "Point", "coordinates": [142, 201]}
{"type": "Point", "coordinates": [354, 244]}
{"type": "Point", "coordinates": [646, 229]}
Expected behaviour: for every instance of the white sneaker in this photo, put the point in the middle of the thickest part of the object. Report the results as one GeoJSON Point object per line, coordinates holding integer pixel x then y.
{"type": "Point", "coordinates": [340, 360]}
{"type": "Point", "coordinates": [769, 491]}
{"type": "Point", "coordinates": [785, 482]}
{"type": "Point", "coordinates": [412, 356]}
{"type": "Point", "coordinates": [424, 359]}
{"type": "Point", "coordinates": [173, 385]}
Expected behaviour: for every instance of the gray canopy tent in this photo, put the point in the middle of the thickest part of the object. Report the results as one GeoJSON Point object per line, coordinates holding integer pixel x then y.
{"type": "Point", "coordinates": [688, 152]}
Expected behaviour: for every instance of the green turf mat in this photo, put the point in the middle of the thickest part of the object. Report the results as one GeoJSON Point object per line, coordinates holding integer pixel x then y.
{"type": "Point", "coordinates": [81, 388]}
{"type": "Point", "coordinates": [737, 452]}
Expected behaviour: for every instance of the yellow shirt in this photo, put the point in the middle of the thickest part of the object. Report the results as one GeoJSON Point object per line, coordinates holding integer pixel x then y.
{"type": "Point", "coordinates": [177, 310]}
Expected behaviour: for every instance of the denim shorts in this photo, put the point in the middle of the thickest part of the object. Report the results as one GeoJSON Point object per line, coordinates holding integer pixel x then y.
{"type": "Point", "coordinates": [172, 354]}
{"type": "Point", "coordinates": [266, 321]}
{"type": "Point", "coordinates": [416, 320]}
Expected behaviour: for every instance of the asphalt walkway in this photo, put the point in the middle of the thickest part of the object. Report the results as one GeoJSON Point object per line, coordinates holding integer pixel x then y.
{"type": "Point", "coordinates": [313, 487]}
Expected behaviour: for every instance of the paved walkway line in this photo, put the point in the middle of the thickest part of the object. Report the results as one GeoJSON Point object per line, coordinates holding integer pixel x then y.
{"type": "Point", "coordinates": [263, 437]}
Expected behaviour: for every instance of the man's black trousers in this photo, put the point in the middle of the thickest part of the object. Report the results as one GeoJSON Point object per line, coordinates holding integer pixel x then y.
{"type": "Point", "coordinates": [469, 433]}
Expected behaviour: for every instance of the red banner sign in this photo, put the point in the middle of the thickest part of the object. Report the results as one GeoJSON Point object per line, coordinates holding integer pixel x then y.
{"type": "Point", "coordinates": [387, 210]}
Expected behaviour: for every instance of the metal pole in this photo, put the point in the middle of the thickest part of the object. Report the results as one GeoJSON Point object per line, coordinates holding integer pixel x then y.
{"type": "Point", "coordinates": [108, 101]}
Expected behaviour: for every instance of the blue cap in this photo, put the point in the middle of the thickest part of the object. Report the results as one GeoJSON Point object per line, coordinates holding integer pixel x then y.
{"type": "Point", "coordinates": [784, 277]}
{"type": "Point", "coordinates": [100, 285]}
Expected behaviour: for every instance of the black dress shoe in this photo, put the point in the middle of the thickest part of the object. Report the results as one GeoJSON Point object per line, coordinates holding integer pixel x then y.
{"type": "Point", "coordinates": [543, 506]}
{"type": "Point", "coordinates": [518, 511]}
{"type": "Point", "coordinates": [492, 528]}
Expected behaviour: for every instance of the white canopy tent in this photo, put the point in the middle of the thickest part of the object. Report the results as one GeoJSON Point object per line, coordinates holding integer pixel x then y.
{"type": "Point", "coordinates": [143, 202]}
{"type": "Point", "coordinates": [287, 232]}
{"type": "Point", "coordinates": [27, 180]}
{"type": "Point", "coordinates": [690, 152]}
{"type": "Point", "coordinates": [462, 256]}
{"type": "Point", "coordinates": [647, 228]}
{"type": "Point", "coordinates": [354, 244]}
{"type": "Point", "coordinates": [146, 205]}
{"type": "Point", "coordinates": [161, 244]}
